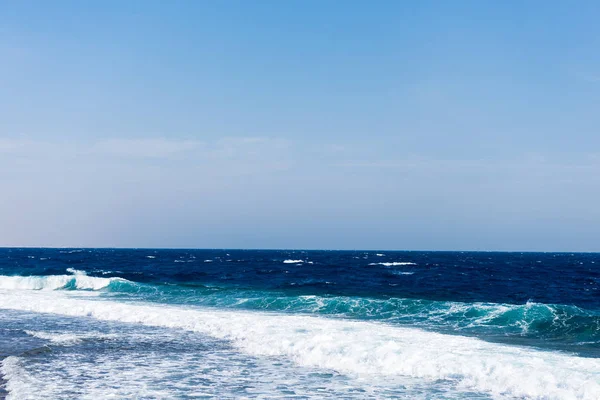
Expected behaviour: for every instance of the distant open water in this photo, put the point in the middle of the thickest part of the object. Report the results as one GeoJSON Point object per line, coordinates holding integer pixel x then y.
{"type": "Point", "coordinates": [95, 323]}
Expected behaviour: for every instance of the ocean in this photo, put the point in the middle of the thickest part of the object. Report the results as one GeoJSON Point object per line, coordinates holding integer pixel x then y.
{"type": "Point", "coordinates": [272, 324]}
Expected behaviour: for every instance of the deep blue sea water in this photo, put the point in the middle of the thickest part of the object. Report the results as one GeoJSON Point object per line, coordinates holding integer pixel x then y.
{"type": "Point", "coordinates": [139, 323]}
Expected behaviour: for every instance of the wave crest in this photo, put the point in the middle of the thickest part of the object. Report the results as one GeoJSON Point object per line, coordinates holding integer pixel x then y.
{"type": "Point", "coordinates": [572, 325]}
{"type": "Point", "coordinates": [77, 281]}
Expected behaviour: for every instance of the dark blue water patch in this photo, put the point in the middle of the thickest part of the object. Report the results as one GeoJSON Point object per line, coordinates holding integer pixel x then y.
{"type": "Point", "coordinates": [516, 278]}
{"type": "Point", "coordinates": [14, 340]}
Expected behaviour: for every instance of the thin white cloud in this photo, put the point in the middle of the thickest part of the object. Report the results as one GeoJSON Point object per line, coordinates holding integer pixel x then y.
{"type": "Point", "coordinates": [530, 160]}
{"type": "Point", "coordinates": [14, 146]}
{"type": "Point", "coordinates": [249, 145]}
{"type": "Point", "coordinates": [35, 150]}
{"type": "Point", "coordinates": [376, 164]}
{"type": "Point", "coordinates": [147, 148]}
{"type": "Point", "coordinates": [134, 148]}
{"type": "Point", "coordinates": [233, 156]}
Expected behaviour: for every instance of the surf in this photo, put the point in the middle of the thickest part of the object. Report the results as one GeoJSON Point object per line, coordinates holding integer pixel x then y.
{"type": "Point", "coordinates": [356, 348]}
{"type": "Point", "coordinates": [573, 325]}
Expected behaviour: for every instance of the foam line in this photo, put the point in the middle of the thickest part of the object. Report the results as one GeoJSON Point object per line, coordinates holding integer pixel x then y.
{"type": "Point", "coordinates": [352, 347]}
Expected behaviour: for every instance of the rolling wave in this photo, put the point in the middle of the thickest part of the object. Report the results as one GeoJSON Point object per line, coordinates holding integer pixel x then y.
{"type": "Point", "coordinates": [340, 345]}
{"type": "Point", "coordinates": [76, 281]}
{"type": "Point", "coordinates": [572, 325]}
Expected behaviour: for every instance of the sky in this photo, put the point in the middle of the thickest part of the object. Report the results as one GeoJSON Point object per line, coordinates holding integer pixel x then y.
{"type": "Point", "coordinates": [428, 125]}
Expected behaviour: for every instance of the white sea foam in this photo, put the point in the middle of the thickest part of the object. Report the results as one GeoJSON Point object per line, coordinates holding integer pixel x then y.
{"type": "Point", "coordinates": [380, 255]}
{"type": "Point", "coordinates": [393, 264]}
{"type": "Point", "coordinates": [55, 282]}
{"type": "Point", "coordinates": [194, 371]}
{"type": "Point", "coordinates": [106, 381]}
{"type": "Point", "coordinates": [358, 348]}
{"type": "Point", "coordinates": [69, 338]}
{"type": "Point", "coordinates": [293, 261]}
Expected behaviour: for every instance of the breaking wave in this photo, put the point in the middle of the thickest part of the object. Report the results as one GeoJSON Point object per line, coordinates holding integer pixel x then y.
{"type": "Point", "coordinates": [340, 345]}
{"type": "Point", "coordinates": [570, 324]}
{"type": "Point", "coordinates": [78, 280]}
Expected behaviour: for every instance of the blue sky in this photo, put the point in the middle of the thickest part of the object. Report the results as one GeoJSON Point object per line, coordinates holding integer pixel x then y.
{"type": "Point", "coordinates": [300, 124]}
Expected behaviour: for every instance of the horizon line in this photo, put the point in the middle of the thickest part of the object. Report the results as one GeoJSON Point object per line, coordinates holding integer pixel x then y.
{"type": "Point", "coordinates": [294, 249]}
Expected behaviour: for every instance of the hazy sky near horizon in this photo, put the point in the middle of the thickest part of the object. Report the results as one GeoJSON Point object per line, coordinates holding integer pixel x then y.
{"type": "Point", "coordinates": [300, 124]}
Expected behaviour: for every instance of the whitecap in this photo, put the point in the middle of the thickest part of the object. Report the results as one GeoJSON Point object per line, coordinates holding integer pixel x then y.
{"type": "Point", "coordinates": [393, 264]}
{"type": "Point", "coordinates": [76, 271]}
{"type": "Point", "coordinates": [78, 281]}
